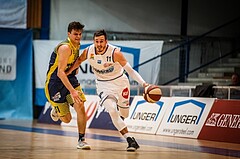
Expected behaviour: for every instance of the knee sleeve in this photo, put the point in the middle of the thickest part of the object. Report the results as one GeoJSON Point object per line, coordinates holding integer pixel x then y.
{"type": "Point", "coordinates": [111, 107]}
{"type": "Point", "coordinates": [124, 111]}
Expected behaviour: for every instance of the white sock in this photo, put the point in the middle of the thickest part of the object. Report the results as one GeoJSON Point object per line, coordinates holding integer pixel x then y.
{"type": "Point", "coordinates": [126, 135]}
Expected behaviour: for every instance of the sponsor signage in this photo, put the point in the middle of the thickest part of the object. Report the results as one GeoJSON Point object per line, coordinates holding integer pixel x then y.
{"type": "Point", "coordinates": [223, 122]}
{"type": "Point", "coordinates": [185, 116]}
{"type": "Point", "coordinates": [145, 117]}
{"type": "Point", "coordinates": [8, 58]}
{"type": "Point", "coordinates": [16, 73]}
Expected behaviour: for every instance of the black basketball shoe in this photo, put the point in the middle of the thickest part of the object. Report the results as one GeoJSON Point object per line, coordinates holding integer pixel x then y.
{"type": "Point", "coordinates": [132, 144]}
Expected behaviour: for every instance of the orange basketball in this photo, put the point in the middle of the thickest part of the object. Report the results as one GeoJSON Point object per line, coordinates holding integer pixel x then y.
{"type": "Point", "coordinates": [152, 93]}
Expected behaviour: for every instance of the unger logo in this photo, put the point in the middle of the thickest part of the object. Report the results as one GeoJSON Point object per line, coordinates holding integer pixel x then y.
{"type": "Point", "coordinates": [140, 112]}
{"type": "Point", "coordinates": [186, 115]}
{"type": "Point", "coordinates": [183, 118]}
{"type": "Point", "coordinates": [144, 116]}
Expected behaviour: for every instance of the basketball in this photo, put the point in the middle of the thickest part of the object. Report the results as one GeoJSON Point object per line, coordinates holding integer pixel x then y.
{"type": "Point", "coordinates": [152, 93]}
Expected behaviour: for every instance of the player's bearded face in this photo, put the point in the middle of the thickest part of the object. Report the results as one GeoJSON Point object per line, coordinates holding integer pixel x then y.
{"type": "Point", "coordinates": [100, 43]}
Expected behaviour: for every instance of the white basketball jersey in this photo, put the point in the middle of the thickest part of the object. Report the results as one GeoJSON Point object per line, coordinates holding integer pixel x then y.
{"type": "Point", "coordinates": [103, 65]}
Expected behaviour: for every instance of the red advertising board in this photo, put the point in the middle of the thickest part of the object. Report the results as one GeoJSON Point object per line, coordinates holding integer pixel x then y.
{"type": "Point", "coordinates": [223, 122]}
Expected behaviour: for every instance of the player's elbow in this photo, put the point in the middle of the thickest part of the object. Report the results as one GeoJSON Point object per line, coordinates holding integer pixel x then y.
{"type": "Point", "coordinates": [60, 73]}
{"type": "Point", "coordinates": [78, 62]}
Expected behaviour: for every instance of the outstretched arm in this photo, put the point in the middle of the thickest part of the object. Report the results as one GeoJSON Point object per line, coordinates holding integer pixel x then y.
{"type": "Point", "coordinates": [118, 56]}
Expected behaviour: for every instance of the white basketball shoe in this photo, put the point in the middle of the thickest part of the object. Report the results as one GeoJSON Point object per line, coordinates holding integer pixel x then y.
{"type": "Point", "coordinates": [54, 114]}
{"type": "Point", "coordinates": [82, 144]}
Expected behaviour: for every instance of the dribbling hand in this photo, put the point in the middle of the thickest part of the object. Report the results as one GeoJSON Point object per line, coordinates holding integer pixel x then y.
{"type": "Point", "coordinates": [75, 96]}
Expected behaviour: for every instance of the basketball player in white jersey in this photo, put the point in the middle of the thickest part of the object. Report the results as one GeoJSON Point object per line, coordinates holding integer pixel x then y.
{"type": "Point", "coordinates": [113, 87]}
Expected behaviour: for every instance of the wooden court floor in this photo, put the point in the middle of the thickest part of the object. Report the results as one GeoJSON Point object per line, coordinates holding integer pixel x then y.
{"type": "Point", "coordinates": [23, 139]}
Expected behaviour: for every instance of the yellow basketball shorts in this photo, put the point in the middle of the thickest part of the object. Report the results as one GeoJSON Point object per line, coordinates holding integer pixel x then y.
{"type": "Point", "coordinates": [60, 98]}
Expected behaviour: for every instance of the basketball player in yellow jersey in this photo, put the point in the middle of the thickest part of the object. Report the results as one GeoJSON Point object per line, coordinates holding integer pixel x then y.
{"type": "Point", "coordinates": [113, 87]}
{"type": "Point", "coordinates": [64, 90]}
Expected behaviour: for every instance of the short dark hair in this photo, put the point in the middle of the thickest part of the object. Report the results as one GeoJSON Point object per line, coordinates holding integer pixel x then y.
{"type": "Point", "coordinates": [100, 33]}
{"type": "Point", "coordinates": [75, 25]}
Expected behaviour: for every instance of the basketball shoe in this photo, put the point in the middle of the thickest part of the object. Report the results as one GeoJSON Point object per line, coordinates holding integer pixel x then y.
{"type": "Point", "coordinates": [132, 144]}
{"type": "Point", "coordinates": [82, 144]}
{"type": "Point", "coordinates": [54, 114]}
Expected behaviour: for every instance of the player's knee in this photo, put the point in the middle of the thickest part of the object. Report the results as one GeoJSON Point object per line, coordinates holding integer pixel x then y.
{"type": "Point", "coordinates": [66, 118]}
{"type": "Point", "coordinates": [113, 113]}
{"type": "Point", "coordinates": [79, 108]}
{"type": "Point", "coordinates": [110, 105]}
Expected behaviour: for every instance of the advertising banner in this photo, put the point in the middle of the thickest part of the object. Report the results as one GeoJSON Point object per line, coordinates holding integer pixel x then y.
{"type": "Point", "coordinates": [16, 74]}
{"type": "Point", "coordinates": [185, 116]}
{"type": "Point", "coordinates": [223, 122]}
{"type": "Point", "coordinates": [145, 117]}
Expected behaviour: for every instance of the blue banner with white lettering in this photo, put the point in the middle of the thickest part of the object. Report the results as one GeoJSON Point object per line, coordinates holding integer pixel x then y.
{"type": "Point", "coordinates": [16, 74]}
